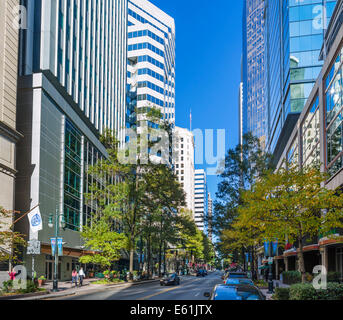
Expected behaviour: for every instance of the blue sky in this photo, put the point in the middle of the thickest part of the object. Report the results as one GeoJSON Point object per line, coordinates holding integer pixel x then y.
{"type": "Point", "coordinates": [208, 55]}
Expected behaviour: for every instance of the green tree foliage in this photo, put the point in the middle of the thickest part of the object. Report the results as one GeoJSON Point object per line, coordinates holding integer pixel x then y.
{"type": "Point", "coordinates": [292, 204]}
{"type": "Point", "coordinates": [104, 241]}
{"type": "Point", "coordinates": [243, 166]}
{"type": "Point", "coordinates": [11, 242]}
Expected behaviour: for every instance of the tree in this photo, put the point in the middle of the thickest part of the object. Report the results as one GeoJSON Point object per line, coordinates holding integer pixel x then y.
{"type": "Point", "coordinates": [106, 244]}
{"type": "Point", "coordinates": [142, 196]}
{"type": "Point", "coordinates": [243, 166]}
{"type": "Point", "coordinates": [292, 204]}
{"type": "Point", "coordinates": [209, 253]}
{"type": "Point", "coordinates": [10, 242]}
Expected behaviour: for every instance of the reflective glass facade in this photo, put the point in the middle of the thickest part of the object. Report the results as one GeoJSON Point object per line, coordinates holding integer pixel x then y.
{"type": "Point", "coordinates": [294, 37]}
{"type": "Point", "coordinates": [83, 44]}
{"type": "Point", "coordinates": [334, 116]}
{"type": "Point", "coordinates": [254, 111]}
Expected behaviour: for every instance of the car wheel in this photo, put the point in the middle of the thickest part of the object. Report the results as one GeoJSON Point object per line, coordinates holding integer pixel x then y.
{"type": "Point", "coordinates": [162, 284]}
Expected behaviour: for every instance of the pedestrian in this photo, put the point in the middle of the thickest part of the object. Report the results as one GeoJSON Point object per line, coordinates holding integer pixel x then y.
{"type": "Point", "coordinates": [74, 278]}
{"type": "Point", "coordinates": [81, 276]}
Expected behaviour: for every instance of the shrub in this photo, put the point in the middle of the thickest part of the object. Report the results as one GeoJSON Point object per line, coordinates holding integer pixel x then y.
{"type": "Point", "coordinates": [306, 291]}
{"type": "Point", "coordinates": [309, 277]}
{"type": "Point", "coordinates": [42, 278]}
{"type": "Point", "coordinates": [291, 277]}
{"type": "Point", "coordinates": [281, 294]}
{"type": "Point", "coordinates": [7, 286]}
{"type": "Point", "coordinates": [333, 277]}
{"type": "Point", "coordinates": [30, 287]}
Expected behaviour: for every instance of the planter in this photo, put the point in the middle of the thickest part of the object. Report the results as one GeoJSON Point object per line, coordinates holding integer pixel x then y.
{"type": "Point", "coordinates": [91, 274]}
{"type": "Point", "coordinates": [41, 282]}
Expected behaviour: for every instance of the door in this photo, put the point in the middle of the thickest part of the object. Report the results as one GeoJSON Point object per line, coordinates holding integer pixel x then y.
{"type": "Point", "coordinates": [48, 270]}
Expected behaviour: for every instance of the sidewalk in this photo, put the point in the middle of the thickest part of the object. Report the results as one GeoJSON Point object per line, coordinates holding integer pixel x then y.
{"type": "Point", "coordinates": [277, 283]}
{"type": "Point", "coordinates": [65, 289]}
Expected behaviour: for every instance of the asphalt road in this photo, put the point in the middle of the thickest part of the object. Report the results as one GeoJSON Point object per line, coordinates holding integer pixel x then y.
{"type": "Point", "coordinates": [191, 288]}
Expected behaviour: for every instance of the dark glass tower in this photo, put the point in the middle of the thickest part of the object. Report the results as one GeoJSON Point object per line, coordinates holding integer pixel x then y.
{"type": "Point", "coordinates": [254, 111]}
{"type": "Point", "coordinates": [294, 32]}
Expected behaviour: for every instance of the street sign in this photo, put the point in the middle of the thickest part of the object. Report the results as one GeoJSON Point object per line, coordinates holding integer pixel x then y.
{"type": "Point", "coordinates": [270, 260]}
{"type": "Point", "coordinates": [33, 247]}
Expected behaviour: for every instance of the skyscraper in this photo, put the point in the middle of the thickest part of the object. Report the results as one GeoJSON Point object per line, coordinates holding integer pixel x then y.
{"type": "Point", "coordinates": [200, 199]}
{"type": "Point", "coordinates": [210, 216]}
{"type": "Point", "coordinates": [294, 32]}
{"type": "Point", "coordinates": [184, 163]}
{"type": "Point", "coordinates": [151, 56]}
{"type": "Point", "coordinates": [72, 86]}
{"type": "Point", "coordinates": [9, 135]}
{"type": "Point", "coordinates": [253, 109]}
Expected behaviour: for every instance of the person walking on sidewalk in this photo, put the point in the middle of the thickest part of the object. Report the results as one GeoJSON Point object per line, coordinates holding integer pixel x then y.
{"type": "Point", "coordinates": [74, 278]}
{"type": "Point", "coordinates": [81, 276]}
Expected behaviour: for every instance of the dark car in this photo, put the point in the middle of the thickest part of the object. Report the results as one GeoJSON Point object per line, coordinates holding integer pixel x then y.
{"type": "Point", "coordinates": [205, 272]}
{"type": "Point", "coordinates": [200, 273]}
{"type": "Point", "coordinates": [235, 292]}
{"type": "Point", "coordinates": [168, 280]}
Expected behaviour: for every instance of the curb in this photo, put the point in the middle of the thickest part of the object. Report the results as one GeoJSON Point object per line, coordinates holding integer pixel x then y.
{"type": "Point", "coordinates": [94, 289]}
{"type": "Point", "coordinates": [25, 295]}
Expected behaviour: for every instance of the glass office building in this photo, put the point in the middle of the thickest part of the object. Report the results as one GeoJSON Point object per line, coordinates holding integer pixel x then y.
{"type": "Point", "coordinates": [254, 111]}
{"type": "Point", "coordinates": [151, 58]}
{"type": "Point", "coordinates": [200, 199]}
{"type": "Point", "coordinates": [294, 32]}
{"type": "Point", "coordinates": [72, 86]}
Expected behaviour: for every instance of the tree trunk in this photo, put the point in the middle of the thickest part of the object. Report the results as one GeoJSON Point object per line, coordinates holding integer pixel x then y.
{"type": "Point", "coordinates": [132, 252]}
{"type": "Point", "coordinates": [301, 261]}
{"type": "Point", "coordinates": [148, 256]}
{"type": "Point", "coordinates": [164, 257]}
{"type": "Point", "coordinates": [160, 260]}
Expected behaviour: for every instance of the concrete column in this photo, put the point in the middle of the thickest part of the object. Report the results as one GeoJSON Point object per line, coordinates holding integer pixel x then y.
{"type": "Point", "coordinates": [324, 251]}
{"type": "Point", "coordinates": [285, 259]}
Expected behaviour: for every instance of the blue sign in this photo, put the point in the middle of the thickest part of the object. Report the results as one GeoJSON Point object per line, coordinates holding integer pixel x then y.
{"type": "Point", "coordinates": [53, 246]}
{"type": "Point", "coordinates": [36, 220]}
{"type": "Point", "coordinates": [275, 247]}
{"type": "Point", "coordinates": [266, 248]}
{"type": "Point", "coordinates": [60, 246]}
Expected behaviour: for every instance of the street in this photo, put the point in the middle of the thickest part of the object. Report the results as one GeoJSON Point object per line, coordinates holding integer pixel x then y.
{"type": "Point", "coordinates": [191, 288]}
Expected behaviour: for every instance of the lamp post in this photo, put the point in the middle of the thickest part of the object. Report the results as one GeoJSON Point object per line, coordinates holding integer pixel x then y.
{"type": "Point", "coordinates": [57, 227]}
{"type": "Point", "coordinates": [270, 265]}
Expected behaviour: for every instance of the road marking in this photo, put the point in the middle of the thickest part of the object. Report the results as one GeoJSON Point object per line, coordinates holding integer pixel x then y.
{"type": "Point", "coordinates": [156, 294]}
{"type": "Point", "coordinates": [197, 294]}
{"type": "Point", "coordinates": [164, 291]}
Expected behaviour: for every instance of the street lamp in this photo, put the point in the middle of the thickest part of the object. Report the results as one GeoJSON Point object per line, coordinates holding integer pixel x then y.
{"type": "Point", "coordinates": [57, 227]}
{"type": "Point", "coordinates": [270, 265]}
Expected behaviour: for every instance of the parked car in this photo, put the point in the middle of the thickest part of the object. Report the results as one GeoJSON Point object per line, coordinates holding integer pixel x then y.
{"type": "Point", "coordinates": [236, 275]}
{"type": "Point", "coordinates": [200, 273]}
{"type": "Point", "coordinates": [235, 292]}
{"type": "Point", "coordinates": [172, 279]}
{"type": "Point", "coordinates": [233, 281]}
{"type": "Point", "coordinates": [205, 272]}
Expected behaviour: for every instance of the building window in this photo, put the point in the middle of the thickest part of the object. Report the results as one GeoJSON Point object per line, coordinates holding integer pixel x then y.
{"type": "Point", "coordinates": [334, 112]}
{"type": "Point", "coordinates": [72, 177]}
